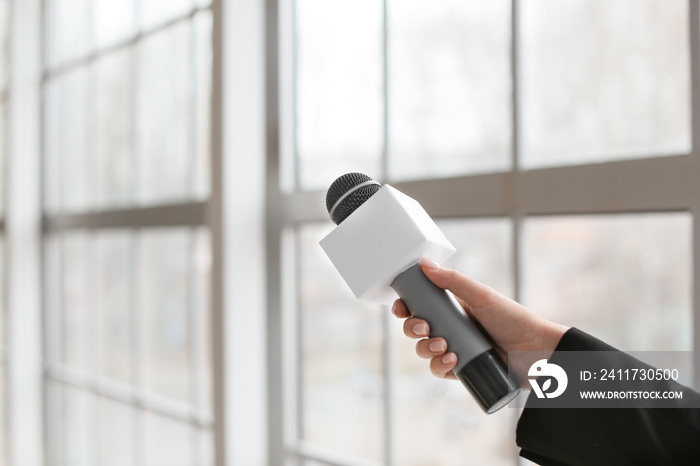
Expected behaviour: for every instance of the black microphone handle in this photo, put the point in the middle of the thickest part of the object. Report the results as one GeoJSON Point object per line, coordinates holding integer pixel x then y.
{"type": "Point", "coordinates": [478, 367]}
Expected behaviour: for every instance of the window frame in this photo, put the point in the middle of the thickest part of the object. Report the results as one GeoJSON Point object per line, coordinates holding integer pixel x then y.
{"type": "Point", "coordinates": [238, 294]}
{"type": "Point", "coordinates": [134, 219]}
{"type": "Point", "coordinates": [655, 184]}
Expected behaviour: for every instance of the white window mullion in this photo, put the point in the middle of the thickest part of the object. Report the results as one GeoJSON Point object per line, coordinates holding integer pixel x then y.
{"type": "Point", "coordinates": [237, 221]}
{"type": "Point", "coordinates": [23, 239]}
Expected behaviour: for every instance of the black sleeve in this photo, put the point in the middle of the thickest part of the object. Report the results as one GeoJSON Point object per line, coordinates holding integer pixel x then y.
{"type": "Point", "coordinates": [600, 436]}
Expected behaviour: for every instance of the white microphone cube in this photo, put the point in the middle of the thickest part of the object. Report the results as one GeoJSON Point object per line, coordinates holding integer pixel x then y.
{"type": "Point", "coordinates": [385, 236]}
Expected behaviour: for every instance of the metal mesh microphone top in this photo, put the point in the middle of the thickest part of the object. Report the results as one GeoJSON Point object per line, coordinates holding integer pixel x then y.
{"type": "Point", "coordinates": [352, 190]}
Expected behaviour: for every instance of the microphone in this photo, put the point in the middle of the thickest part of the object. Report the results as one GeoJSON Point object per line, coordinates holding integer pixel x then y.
{"type": "Point", "coordinates": [381, 236]}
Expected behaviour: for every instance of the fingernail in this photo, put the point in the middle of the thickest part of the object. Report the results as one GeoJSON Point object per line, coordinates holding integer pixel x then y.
{"type": "Point", "coordinates": [429, 264]}
{"type": "Point", "coordinates": [449, 358]}
{"type": "Point", "coordinates": [437, 346]}
{"type": "Point", "coordinates": [421, 329]}
{"type": "Point", "coordinates": [393, 308]}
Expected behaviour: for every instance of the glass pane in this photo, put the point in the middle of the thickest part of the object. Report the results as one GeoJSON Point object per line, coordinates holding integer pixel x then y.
{"type": "Point", "coordinates": [72, 133]}
{"type": "Point", "coordinates": [3, 308]}
{"type": "Point", "coordinates": [621, 92]}
{"type": "Point", "coordinates": [339, 89]}
{"type": "Point", "coordinates": [51, 149]}
{"type": "Point", "coordinates": [114, 277]}
{"type": "Point", "coordinates": [203, 48]}
{"type": "Point", "coordinates": [4, 43]}
{"type": "Point", "coordinates": [3, 416]}
{"type": "Point", "coordinates": [442, 413]}
{"type": "Point", "coordinates": [165, 115]}
{"type": "Point", "coordinates": [116, 442]}
{"type": "Point", "coordinates": [78, 423]}
{"type": "Point", "coordinates": [114, 129]}
{"type": "Point", "coordinates": [484, 251]}
{"type": "Point", "coordinates": [164, 293]}
{"type": "Point", "coordinates": [449, 87]}
{"type": "Point", "coordinates": [154, 12]}
{"type": "Point", "coordinates": [68, 30]}
{"type": "Point", "coordinates": [201, 302]}
{"type": "Point", "coordinates": [4, 401]}
{"type": "Point", "coordinates": [53, 302]}
{"type": "Point", "coordinates": [55, 439]}
{"type": "Point", "coordinates": [341, 344]}
{"type": "Point", "coordinates": [168, 442]}
{"type": "Point", "coordinates": [625, 279]}
{"type": "Point", "coordinates": [76, 303]}
{"type": "Point", "coordinates": [206, 447]}
{"type": "Point", "coordinates": [114, 21]}
{"type": "Point", "coordinates": [3, 156]}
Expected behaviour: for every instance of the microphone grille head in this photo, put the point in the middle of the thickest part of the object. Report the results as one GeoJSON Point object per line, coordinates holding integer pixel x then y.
{"type": "Point", "coordinates": [347, 193]}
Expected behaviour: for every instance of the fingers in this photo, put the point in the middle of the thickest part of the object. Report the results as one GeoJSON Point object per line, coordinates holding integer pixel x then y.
{"type": "Point", "coordinates": [431, 347]}
{"type": "Point", "coordinates": [400, 310]}
{"type": "Point", "coordinates": [415, 328]}
{"type": "Point", "coordinates": [441, 366]}
{"type": "Point", "coordinates": [441, 363]}
{"type": "Point", "coordinates": [473, 292]}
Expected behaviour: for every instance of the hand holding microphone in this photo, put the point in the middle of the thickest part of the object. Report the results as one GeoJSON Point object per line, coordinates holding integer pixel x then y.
{"type": "Point", "coordinates": [381, 236]}
{"type": "Point", "coordinates": [512, 326]}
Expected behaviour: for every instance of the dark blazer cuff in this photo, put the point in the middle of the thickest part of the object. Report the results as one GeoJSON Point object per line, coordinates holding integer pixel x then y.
{"type": "Point", "coordinates": [608, 436]}
{"type": "Point", "coordinates": [577, 340]}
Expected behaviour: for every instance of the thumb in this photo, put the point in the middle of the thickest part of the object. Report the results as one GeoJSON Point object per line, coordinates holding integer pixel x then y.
{"type": "Point", "coordinates": [476, 294]}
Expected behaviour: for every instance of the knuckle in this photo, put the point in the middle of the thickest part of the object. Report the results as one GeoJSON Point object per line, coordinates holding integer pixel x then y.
{"type": "Point", "coordinates": [450, 278]}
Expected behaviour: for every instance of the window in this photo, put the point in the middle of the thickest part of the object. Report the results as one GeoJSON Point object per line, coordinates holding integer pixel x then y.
{"type": "Point", "coordinates": [554, 143]}
{"type": "Point", "coordinates": [185, 148]}
{"type": "Point", "coordinates": [578, 269]}
{"type": "Point", "coordinates": [448, 88]}
{"type": "Point", "coordinates": [127, 92]}
{"type": "Point", "coordinates": [630, 90]}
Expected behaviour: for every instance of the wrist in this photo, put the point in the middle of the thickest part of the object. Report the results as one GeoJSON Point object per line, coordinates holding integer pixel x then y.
{"type": "Point", "coordinates": [553, 333]}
